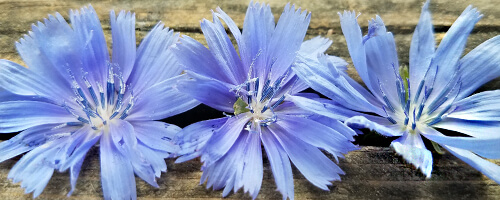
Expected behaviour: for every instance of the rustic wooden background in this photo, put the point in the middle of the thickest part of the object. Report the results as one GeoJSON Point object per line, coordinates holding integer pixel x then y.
{"type": "Point", "coordinates": [372, 172]}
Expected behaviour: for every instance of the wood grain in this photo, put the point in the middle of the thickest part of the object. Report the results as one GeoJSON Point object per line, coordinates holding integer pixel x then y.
{"type": "Point", "coordinates": [371, 173]}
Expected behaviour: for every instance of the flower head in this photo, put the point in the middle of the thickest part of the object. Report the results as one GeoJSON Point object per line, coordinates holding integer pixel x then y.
{"type": "Point", "coordinates": [433, 96]}
{"type": "Point", "coordinates": [257, 86]}
{"type": "Point", "coordinates": [73, 96]}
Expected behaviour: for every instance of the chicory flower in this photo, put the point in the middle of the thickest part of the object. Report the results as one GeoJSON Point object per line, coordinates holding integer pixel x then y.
{"type": "Point", "coordinates": [256, 86]}
{"type": "Point", "coordinates": [435, 95]}
{"type": "Point", "coordinates": [73, 96]}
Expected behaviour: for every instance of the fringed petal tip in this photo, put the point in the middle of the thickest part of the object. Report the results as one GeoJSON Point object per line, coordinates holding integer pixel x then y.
{"type": "Point", "coordinates": [360, 122]}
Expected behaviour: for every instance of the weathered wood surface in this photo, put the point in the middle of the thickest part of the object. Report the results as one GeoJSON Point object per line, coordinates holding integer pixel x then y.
{"type": "Point", "coordinates": [371, 173]}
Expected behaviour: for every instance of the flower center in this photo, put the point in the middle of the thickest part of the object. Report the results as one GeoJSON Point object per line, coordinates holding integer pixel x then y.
{"type": "Point", "coordinates": [421, 108]}
{"type": "Point", "coordinates": [97, 108]}
{"type": "Point", "coordinates": [259, 100]}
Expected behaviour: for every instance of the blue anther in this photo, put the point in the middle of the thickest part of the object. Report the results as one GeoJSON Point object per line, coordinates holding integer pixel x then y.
{"type": "Point", "coordinates": [406, 120]}
{"type": "Point", "coordinates": [435, 121]}
{"type": "Point", "coordinates": [420, 86]}
{"type": "Point", "coordinates": [267, 93]}
{"type": "Point", "coordinates": [256, 87]}
{"type": "Point", "coordinates": [400, 94]}
{"type": "Point", "coordinates": [388, 117]}
{"type": "Point", "coordinates": [263, 109]}
{"type": "Point", "coordinates": [94, 96]}
{"type": "Point", "coordinates": [113, 115]}
{"type": "Point", "coordinates": [391, 120]}
{"type": "Point", "coordinates": [83, 120]}
{"type": "Point", "coordinates": [111, 92]}
{"type": "Point", "coordinates": [388, 103]}
{"type": "Point", "coordinates": [435, 105]}
{"type": "Point", "coordinates": [266, 85]}
{"type": "Point", "coordinates": [413, 124]}
{"type": "Point", "coordinates": [420, 108]}
{"type": "Point", "coordinates": [74, 124]}
{"type": "Point", "coordinates": [281, 99]}
{"type": "Point", "coordinates": [428, 92]}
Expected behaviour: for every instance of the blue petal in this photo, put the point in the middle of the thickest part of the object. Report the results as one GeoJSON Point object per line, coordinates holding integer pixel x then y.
{"type": "Point", "coordinates": [252, 172]}
{"type": "Point", "coordinates": [286, 41]}
{"type": "Point", "coordinates": [382, 58]}
{"type": "Point", "coordinates": [74, 172]}
{"type": "Point", "coordinates": [223, 50]}
{"type": "Point", "coordinates": [316, 134]}
{"type": "Point", "coordinates": [124, 140]}
{"type": "Point", "coordinates": [117, 173]}
{"type": "Point", "coordinates": [354, 39]}
{"type": "Point", "coordinates": [155, 158]}
{"type": "Point", "coordinates": [83, 139]}
{"type": "Point", "coordinates": [315, 46]}
{"type": "Point", "coordinates": [237, 169]}
{"type": "Point", "coordinates": [322, 107]}
{"type": "Point", "coordinates": [46, 45]}
{"type": "Point", "coordinates": [336, 125]}
{"type": "Point", "coordinates": [20, 115]}
{"type": "Point", "coordinates": [311, 162]}
{"type": "Point", "coordinates": [258, 29]}
{"type": "Point", "coordinates": [381, 125]}
{"type": "Point", "coordinates": [156, 135]}
{"type": "Point", "coordinates": [422, 48]}
{"type": "Point", "coordinates": [485, 147]}
{"type": "Point", "coordinates": [489, 169]}
{"type": "Point", "coordinates": [479, 129]}
{"type": "Point", "coordinates": [30, 139]}
{"type": "Point", "coordinates": [451, 48]}
{"type": "Point", "coordinates": [483, 106]}
{"type": "Point", "coordinates": [95, 55]}
{"type": "Point", "coordinates": [223, 139]}
{"type": "Point", "coordinates": [19, 80]}
{"type": "Point", "coordinates": [329, 81]}
{"type": "Point", "coordinates": [209, 91]}
{"type": "Point", "coordinates": [280, 164]}
{"type": "Point", "coordinates": [193, 56]}
{"type": "Point", "coordinates": [75, 159]}
{"type": "Point", "coordinates": [193, 138]}
{"type": "Point", "coordinates": [155, 60]}
{"type": "Point", "coordinates": [480, 66]}
{"type": "Point", "coordinates": [37, 166]}
{"type": "Point", "coordinates": [123, 35]}
{"type": "Point", "coordinates": [413, 150]}
{"type": "Point", "coordinates": [150, 104]}
{"type": "Point", "coordinates": [245, 58]}
{"type": "Point", "coordinates": [61, 47]}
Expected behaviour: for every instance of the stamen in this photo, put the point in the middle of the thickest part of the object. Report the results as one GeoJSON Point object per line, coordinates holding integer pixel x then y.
{"type": "Point", "coordinates": [256, 87]}
{"type": "Point", "coordinates": [110, 90]}
{"type": "Point", "coordinates": [386, 100]}
{"type": "Point", "coordinates": [420, 86]}
{"type": "Point", "coordinates": [127, 109]}
{"type": "Point", "coordinates": [440, 116]}
{"type": "Point", "coordinates": [388, 117]}
{"type": "Point", "coordinates": [75, 115]}
{"type": "Point", "coordinates": [281, 99]}
{"type": "Point", "coordinates": [101, 93]}
{"type": "Point", "coordinates": [413, 124]}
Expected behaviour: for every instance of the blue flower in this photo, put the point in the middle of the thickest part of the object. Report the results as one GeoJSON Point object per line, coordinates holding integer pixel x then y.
{"type": "Point", "coordinates": [256, 86]}
{"type": "Point", "coordinates": [435, 96]}
{"type": "Point", "coordinates": [73, 96]}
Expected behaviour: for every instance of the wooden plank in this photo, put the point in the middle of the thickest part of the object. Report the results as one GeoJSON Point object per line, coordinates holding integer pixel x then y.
{"type": "Point", "coordinates": [372, 172]}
